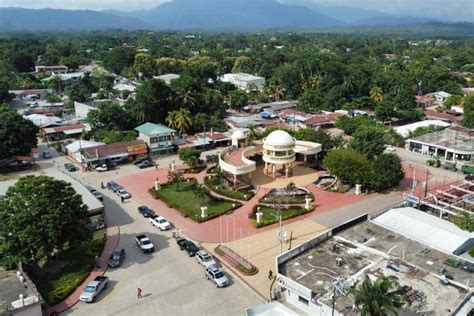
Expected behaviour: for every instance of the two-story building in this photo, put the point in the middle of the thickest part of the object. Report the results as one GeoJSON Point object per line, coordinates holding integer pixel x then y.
{"type": "Point", "coordinates": [159, 138]}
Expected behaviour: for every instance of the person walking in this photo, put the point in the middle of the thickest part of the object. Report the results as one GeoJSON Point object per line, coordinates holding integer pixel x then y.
{"type": "Point", "coordinates": [121, 199]}
{"type": "Point", "coordinates": [97, 262]}
{"type": "Point", "coordinates": [270, 274]}
{"type": "Point", "coordinates": [139, 293]}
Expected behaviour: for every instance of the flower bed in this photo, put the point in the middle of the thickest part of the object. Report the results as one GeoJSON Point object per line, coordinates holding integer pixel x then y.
{"type": "Point", "coordinates": [214, 169]}
{"type": "Point", "coordinates": [236, 260]}
{"type": "Point", "coordinates": [219, 188]}
{"type": "Point", "coordinates": [196, 169]}
{"type": "Point", "coordinates": [286, 199]}
{"type": "Point", "coordinates": [184, 201]}
{"type": "Point", "coordinates": [286, 213]}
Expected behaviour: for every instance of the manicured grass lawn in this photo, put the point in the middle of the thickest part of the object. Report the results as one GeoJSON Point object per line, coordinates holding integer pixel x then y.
{"type": "Point", "coordinates": [285, 199]}
{"type": "Point", "coordinates": [243, 195]}
{"type": "Point", "coordinates": [269, 219]}
{"type": "Point", "coordinates": [185, 202]}
{"type": "Point", "coordinates": [57, 279]}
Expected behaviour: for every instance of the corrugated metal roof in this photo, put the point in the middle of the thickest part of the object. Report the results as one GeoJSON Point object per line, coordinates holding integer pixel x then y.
{"type": "Point", "coordinates": [152, 129]}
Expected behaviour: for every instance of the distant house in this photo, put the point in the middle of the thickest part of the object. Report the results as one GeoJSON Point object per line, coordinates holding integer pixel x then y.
{"type": "Point", "coordinates": [74, 149]}
{"type": "Point", "coordinates": [424, 101]}
{"type": "Point", "coordinates": [308, 120]}
{"type": "Point", "coordinates": [244, 81]}
{"type": "Point", "coordinates": [159, 138]}
{"type": "Point", "coordinates": [31, 94]}
{"type": "Point", "coordinates": [51, 69]}
{"type": "Point", "coordinates": [441, 96]}
{"type": "Point", "coordinates": [65, 132]}
{"type": "Point", "coordinates": [67, 77]}
{"type": "Point", "coordinates": [43, 120]}
{"type": "Point", "coordinates": [106, 153]}
{"type": "Point", "coordinates": [167, 78]}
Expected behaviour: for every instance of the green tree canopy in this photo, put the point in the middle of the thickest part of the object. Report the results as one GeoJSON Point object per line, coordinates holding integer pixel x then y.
{"type": "Point", "coordinates": [368, 140]}
{"type": "Point", "coordinates": [238, 99]}
{"type": "Point", "coordinates": [154, 99]}
{"type": "Point", "coordinates": [17, 135]}
{"type": "Point", "coordinates": [317, 136]}
{"type": "Point", "coordinates": [109, 116]}
{"type": "Point", "coordinates": [118, 59]}
{"type": "Point", "coordinates": [378, 298]}
{"type": "Point", "coordinates": [39, 215]}
{"type": "Point", "coordinates": [349, 166]}
{"type": "Point", "coordinates": [468, 106]}
{"type": "Point", "coordinates": [465, 221]}
{"type": "Point", "coordinates": [144, 65]}
{"type": "Point", "coordinates": [387, 172]}
{"type": "Point", "coordinates": [189, 155]}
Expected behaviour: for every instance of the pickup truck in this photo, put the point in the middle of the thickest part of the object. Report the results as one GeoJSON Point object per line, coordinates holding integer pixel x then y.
{"type": "Point", "coordinates": [144, 243]}
{"type": "Point", "coordinates": [92, 290]}
{"type": "Point", "coordinates": [187, 245]}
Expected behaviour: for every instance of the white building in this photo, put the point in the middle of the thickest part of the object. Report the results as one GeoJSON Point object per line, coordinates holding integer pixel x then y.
{"type": "Point", "coordinates": [244, 81]}
{"type": "Point", "coordinates": [74, 149]}
{"type": "Point", "coordinates": [405, 130]}
{"type": "Point", "coordinates": [167, 78]}
{"type": "Point", "coordinates": [441, 96]}
{"type": "Point", "coordinates": [159, 138]}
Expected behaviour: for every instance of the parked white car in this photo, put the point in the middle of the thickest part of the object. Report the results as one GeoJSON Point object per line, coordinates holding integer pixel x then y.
{"type": "Point", "coordinates": [390, 148]}
{"type": "Point", "coordinates": [205, 259]}
{"type": "Point", "coordinates": [160, 222]}
{"type": "Point", "coordinates": [123, 194]}
{"type": "Point", "coordinates": [216, 276]}
{"type": "Point", "coordinates": [101, 168]}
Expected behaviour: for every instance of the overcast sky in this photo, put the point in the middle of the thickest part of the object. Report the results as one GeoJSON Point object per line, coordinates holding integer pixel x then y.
{"type": "Point", "coordinates": [450, 9]}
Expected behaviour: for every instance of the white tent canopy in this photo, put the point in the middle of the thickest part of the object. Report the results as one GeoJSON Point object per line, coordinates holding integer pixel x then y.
{"type": "Point", "coordinates": [424, 228]}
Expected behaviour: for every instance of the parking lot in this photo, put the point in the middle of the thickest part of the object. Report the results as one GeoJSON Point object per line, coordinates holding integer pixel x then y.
{"type": "Point", "coordinates": [172, 282]}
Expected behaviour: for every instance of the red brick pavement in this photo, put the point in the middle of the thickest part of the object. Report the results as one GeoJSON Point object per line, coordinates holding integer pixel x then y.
{"type": "Point", "coordinates": [226, 227]}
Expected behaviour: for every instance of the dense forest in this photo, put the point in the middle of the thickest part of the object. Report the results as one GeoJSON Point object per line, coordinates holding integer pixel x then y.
{"type": "Point", "coordinates": [322, 71]}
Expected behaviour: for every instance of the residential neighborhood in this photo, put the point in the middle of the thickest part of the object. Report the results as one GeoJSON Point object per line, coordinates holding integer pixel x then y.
{"type": "Point", "coordinates": [150, 171]}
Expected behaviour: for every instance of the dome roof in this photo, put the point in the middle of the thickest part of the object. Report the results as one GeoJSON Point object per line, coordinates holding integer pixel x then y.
{"type": "Point", "coordinates": [279, 138]}
{"type": "Point", "coordinates": [238, 135]}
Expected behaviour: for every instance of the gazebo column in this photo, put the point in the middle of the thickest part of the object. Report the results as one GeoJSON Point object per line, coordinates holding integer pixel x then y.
{"type": "Point", "coordinates": [287, 170]}
{"type": "Point", "coordinates": [274, 170]}
{"type": "Point", "coordinates": [265, 170]}
{"type": "Point", "coordinates": [235, 181]}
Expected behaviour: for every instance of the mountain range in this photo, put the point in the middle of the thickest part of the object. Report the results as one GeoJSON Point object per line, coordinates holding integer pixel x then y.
{"type": "Point", "coordinates": [207, 15]}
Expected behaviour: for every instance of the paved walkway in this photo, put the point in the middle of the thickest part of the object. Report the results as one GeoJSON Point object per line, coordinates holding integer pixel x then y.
{"type": "Point", "coordinates": [262, 249]}
{"type": "Point", "coordinates": [113, 236]}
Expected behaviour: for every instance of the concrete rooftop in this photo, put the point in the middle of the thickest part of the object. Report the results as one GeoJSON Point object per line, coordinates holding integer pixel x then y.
{"type": "Point", "coordinates": [365, 247]}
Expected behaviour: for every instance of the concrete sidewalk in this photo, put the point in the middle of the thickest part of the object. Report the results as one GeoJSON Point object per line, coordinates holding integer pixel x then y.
{"type": "Point", "coordinates": [261, 250]}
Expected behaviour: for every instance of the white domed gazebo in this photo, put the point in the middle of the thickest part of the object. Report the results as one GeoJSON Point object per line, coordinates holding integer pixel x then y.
{"type": "Point", "coordinates": [278, 150]}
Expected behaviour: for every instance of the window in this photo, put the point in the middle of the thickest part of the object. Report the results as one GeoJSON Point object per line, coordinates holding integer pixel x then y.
{"type": "Point", "coordinates": [303, 300]}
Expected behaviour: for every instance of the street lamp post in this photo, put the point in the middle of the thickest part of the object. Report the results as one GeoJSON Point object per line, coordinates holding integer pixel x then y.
{"type": "Point", "coordinates": [277, 206]}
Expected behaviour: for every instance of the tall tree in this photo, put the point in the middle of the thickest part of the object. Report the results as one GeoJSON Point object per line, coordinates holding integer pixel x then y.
{"type": "Point", "coordinates": [109, 116]}
{"type": "Point", "coordinates": [39, 215]}
{"type": "Point", "coordinates": [465, 221]}
{"type": "Point", "coordinates": [378, 298]}
{"type": "Point", "coordinates": [17, 135]}
{"type": "Point", "coordinates": [144, 65]}
{"type": "Point", "coordinates": [238, 99]}
{"type": "Point", "coordinates": [368, 140]}
{"type": "Point", "coordinates": [468, 106]}
{"type": "Point", "coordinates": [180, 120]}
{"type": "Point", "coordinates": [186, 99]}
{"type": "Point", "coordinates": [154, 99]}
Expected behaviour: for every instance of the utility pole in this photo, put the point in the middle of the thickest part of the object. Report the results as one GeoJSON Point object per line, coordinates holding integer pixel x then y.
{"type": "Point", "coordinates": [426, 182]}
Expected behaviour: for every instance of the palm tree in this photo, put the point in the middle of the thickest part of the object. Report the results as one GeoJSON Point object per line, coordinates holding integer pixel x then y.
{"type": "Point", "coordinates": [200, 193]}
{"type": "Point", "coordinates": [278, 92]}
{"type": "Point", "coordinates": [291, 188]}
{"type": "Point", "coordinates": [252, 133]}
{"type": "Point", "coordinates": [175, 177]}
{"type": "Point", "coordinates": [186, 99]}
{"type": "Point", "coordinates": [378, 298]}
{"type": "Point", "coordinates": [171, 119]}
{"type": "Point", "coordinates": [183, 120]}
{"type": "Point", "coordinates": [376, 94]}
